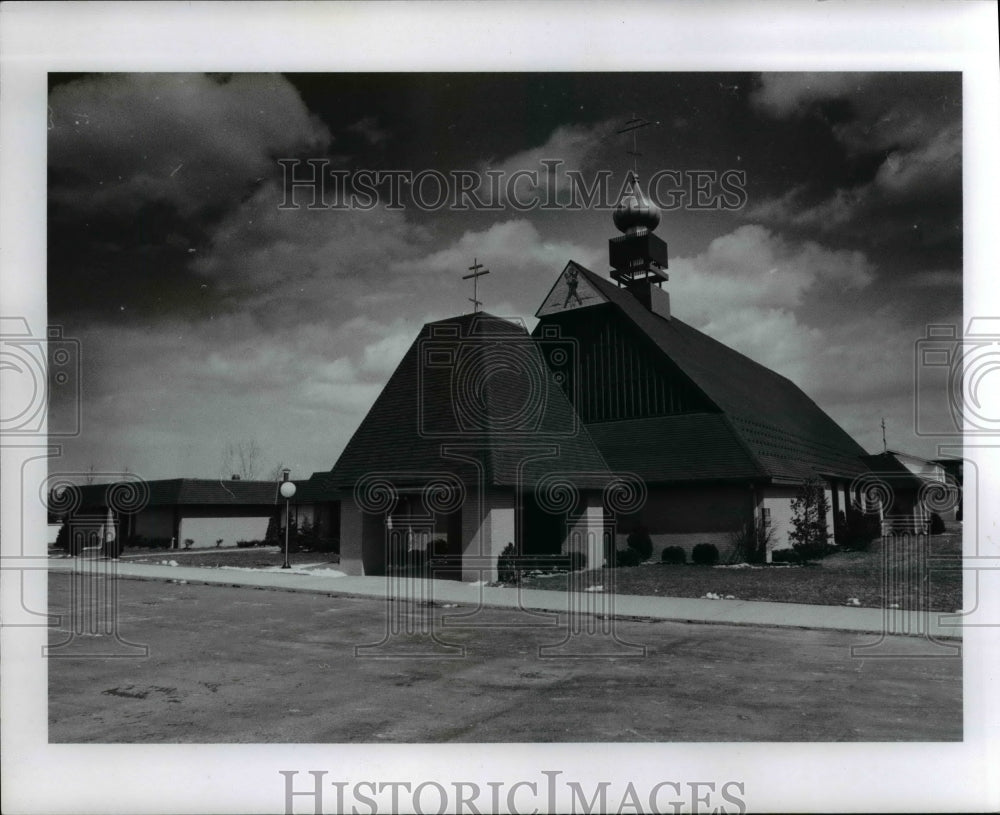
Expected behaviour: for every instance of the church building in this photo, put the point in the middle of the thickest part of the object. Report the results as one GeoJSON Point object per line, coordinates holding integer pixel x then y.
{"type": "Point", "coordinates": [611, 415]}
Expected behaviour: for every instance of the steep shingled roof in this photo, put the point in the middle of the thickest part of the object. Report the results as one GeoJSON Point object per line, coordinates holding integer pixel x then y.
{"type": "Point", "coordinates": [471, 387]}
{"type": "Point", "coordinates": [680, 448]}
{"type": "Point", "coordinates": [786, 435]}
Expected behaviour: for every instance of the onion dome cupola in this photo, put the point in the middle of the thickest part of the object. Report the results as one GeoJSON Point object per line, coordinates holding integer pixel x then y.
{"type": "Point", "coordinates": [638, 258]}
{"type": "Point", "coordinates": [635, 212]}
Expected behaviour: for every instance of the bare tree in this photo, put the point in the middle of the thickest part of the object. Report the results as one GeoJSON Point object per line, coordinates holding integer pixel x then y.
{"type": "Point", "coordinates": [241, 458]}
{"type": "Point", "coordinates": [274, 474]}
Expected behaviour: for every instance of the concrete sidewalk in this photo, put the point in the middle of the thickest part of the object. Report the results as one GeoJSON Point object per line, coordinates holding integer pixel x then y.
{"type": "Point", "coordinates": [934, 625]}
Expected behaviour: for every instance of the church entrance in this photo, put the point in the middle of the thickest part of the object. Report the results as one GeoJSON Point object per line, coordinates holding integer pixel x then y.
{"type": "Point", "coordinates": [541, 532]}
{"type": "Point", "coordinates": [420, 544]}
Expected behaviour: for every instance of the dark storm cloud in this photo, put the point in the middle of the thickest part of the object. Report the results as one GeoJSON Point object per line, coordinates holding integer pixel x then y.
{"type": "Point", "coordinates": [899, 192]}
{"type": "Point", "coordinates": [140, 168]}
{"type": "Point", "coordinates": [188, 140]}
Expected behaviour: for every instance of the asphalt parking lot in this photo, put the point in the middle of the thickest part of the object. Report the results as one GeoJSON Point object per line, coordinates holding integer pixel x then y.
{"type": "Point", "coordinates": [229, 665]}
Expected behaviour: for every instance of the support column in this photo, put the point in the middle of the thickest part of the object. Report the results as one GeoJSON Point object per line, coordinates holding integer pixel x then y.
{"type": "Point", "coordinates": [588, 533]}
{"type": "Point", "coordinates": [374, 543]}
{"type": "Point", "coordinates": [350, 537]}
{"type": "Point", "coordinates": [488, 526]}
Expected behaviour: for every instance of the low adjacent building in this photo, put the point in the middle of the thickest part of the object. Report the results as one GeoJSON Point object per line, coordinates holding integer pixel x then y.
{"type": "Point", "coordinates": [170, 512]}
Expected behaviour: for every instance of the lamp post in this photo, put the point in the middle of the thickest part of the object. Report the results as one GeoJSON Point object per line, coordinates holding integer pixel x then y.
{"type": "Point", "coordinates": [287, 490]}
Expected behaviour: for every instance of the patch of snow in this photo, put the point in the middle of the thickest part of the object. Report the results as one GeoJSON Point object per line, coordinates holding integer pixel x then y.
{"type": "Point", "coordinates": [173, 563]}
{"type": "Point", "coordinates": [594, 588]}
{"type": "Point", "coordinates": [853, 601]}
{"type": "Point", "coordinates": [479, 583]}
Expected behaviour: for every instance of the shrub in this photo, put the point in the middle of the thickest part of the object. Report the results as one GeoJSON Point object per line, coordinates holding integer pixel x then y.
{"type": "Point", "coordinates": [275, 534]}
{"type": "Point", "coordinates": [142, 542]}
{"type": "Point", "coordinates": [640, 541]}
{"type": "Point", "coordinates": [705, 554]}
{"type": "Point", "coordinates": [785, 556]}
{"type": "Point", "coordinates": [674, 555]}
{"type": "Point", "coordinates": [62, 537]}
{"type": "Point", "coordinates": [507, 571]}
{"type": "Point", "coordinates": [188, 543]}
{"type": "Point", "coordinates": [809, 534]}
{"type": "Point", "coordinates": [935, 524]}
{"type": "Point", "coordinates": [626, 558]}
{"type": "Point", "coordinates": [856, 530]}
{"type": "Point", "coordinates": [750, 543]}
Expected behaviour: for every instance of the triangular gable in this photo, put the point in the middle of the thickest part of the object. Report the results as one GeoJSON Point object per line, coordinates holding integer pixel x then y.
{"type": "Point", "coordinates": [571, 290]}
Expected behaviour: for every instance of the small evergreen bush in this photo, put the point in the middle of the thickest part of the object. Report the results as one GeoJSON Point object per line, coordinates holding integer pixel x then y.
{"type": "Point", "coordinates": [625, 558]}
{"type": "Point", "coordinates": [640, 541]}
{"type": "Point", "coordinates": [275, 534]}
{"type": "Point", "coordinates": [809, 535]}
{"type": "Point", "coordinates": [674, 555]}
{"type": "Point", "coordinates": [507, 571]}
{"type": "Point", "coordinates": [62, 538]}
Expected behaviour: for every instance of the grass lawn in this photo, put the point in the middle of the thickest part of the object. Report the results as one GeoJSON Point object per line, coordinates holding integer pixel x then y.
{"type": "Point", "coordinates": [258, 557]}
{"type": "Point", "coordinates": [831, 581]}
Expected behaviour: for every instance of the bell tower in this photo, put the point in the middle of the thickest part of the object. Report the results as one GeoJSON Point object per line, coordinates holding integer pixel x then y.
{"type": "Point", "coordinates": [638, 258]}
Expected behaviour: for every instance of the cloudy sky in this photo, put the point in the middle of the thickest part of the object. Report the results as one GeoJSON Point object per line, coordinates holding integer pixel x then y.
{"type": "Point", "coordinates": [208, 313]}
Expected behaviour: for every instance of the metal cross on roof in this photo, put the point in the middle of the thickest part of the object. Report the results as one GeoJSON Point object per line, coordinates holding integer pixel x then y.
{"type": "Point", "coordinates": [633, 125]}
{"type": "Point", "coordinates": [477, 271]}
